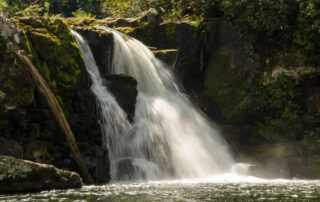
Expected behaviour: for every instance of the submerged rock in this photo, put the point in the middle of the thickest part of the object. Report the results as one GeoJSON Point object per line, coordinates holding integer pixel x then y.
{"type": "Point", "coordinates": [18, 175]}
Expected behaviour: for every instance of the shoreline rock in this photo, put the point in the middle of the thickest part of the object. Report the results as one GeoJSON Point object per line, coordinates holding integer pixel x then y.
{"type": "Point", "coordinates": [17, 175]}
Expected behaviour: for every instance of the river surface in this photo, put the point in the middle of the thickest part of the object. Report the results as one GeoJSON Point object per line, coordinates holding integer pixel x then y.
{"type": "Point", "coordinates": [225, 188]}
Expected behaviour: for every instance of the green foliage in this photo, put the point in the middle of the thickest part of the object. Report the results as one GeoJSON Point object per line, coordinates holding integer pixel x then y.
{"type": "Point", "coordinates": [120, 8]}
{"type": "Point", "coordinates": [281, 25]}
{"type": "Point", "coordinates": [307, 33]}
{"type": "Point", "coordinates": [34, 10]}
{"type": "Point", "coordinates": [279, 103]}
{"type": "Point", "coordinates": [287, 126]}
{"type": "Point", "coordinates": [26, 7]}
{"type": "Point", "coordinates": [276, 95]}
{"type": "Point", "coordinates": [82, 14]}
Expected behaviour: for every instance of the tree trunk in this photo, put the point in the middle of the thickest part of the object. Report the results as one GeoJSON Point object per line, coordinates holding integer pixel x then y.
{"type": "Point", "coordinates": [56, 110]}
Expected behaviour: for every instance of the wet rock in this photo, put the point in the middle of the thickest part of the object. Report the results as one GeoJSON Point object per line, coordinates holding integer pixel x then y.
{"type": "Point", "coordinates": [124, 88]}
{"type": "Point", "coordinates": [169, 56]}
{"type": "Point", "coordinates": [101, 45]}
{"type": "Point", "coordinates": [102, 164]}
{"type": "Point", "coordinates": [23, 176]}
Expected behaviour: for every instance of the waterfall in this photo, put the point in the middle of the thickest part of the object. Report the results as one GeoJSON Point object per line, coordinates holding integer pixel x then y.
{"type": "Point", "coordinates": [169, 137]}
{"type": "Point", "coordinates": [114, 119]}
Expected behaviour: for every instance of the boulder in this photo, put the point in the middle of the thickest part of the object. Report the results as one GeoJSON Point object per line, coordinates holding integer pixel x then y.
{"type": "Point", "coordinates": [18, 175]}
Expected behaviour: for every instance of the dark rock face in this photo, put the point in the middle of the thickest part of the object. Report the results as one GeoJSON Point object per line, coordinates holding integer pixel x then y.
{"type": "Point", "coordinates": [23, 176]}
{"type": "Point", "coordinates": [10, 148]}
{"type": "Point", "coordinates": [183, 36]}
{"type": "Point", "coordinates": [124, 88]}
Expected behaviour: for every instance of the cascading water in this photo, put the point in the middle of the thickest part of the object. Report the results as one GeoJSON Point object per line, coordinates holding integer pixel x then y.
{"type": "Point", "coordinates": [169, 137]}
{"type": "Point", "coordinates": [114, 120]}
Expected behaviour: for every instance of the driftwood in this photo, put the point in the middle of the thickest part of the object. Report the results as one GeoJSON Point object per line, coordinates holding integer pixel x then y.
{"type": "Point", "coordinates": [56, 110]}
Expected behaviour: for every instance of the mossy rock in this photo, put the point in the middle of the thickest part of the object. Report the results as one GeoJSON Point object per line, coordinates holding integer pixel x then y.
{"type": "Point", "coordinates": [55, 53]}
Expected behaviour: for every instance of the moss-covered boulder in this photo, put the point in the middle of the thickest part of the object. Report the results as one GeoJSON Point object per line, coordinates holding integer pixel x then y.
{"type": "Point", "coordinates": [18, 175]}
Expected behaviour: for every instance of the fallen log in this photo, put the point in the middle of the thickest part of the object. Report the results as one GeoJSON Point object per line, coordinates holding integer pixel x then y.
{"type": "Point", "coordinates": [56, 110]}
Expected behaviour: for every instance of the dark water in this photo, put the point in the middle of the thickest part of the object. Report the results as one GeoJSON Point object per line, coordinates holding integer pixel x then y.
{"type": "Point", "coordinates": [249, 189]}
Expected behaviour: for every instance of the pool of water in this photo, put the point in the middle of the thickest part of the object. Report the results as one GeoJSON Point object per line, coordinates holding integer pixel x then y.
{"type": "Point", "coordinates": [224, 188]}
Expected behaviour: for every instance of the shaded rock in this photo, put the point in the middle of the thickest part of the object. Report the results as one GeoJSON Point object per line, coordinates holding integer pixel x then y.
{"type": "Point", "coordinates": [298, 74]}
{"type": "Point", "coordinates": [102, 164]}
{"type": "Point", "coordinates": [171, 35]}
{"type": "Point", "coordinates": [226, 66]}
{"type": "Point", "coordinates": [97, 161]}
{"type": "Point", "coordinates": [9, 30]}
{"type": "Point", "coordinates": [122, 22]}
{"type": "Point", "coordinates": [124, 88]}
{"type": "Point", "coordinates": [10, 148]}
{"type": "Point", "coordinates": [286, 160]}
{"type": "Point", "coordinates": [313, 104]}
{"type": "Point", "coordinates": [23, 176]}
{"type": "Point", "coordinates": [169, 56]}
{"type": "Point", "coordinates": [152, 16]}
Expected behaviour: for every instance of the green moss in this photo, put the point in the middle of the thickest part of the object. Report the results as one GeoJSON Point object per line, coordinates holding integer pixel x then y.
{"type": "Point", "coordinates": [59, 98]}
{"type": "Point", "coordinates": [220, 87]}
{"type": "Point", "coordinates": [55, 53]}
{"type": "Point", "coordinates": [170, 30]}
{"type": "Point", "coordinates": [46, 72]}
{"type": "Point", "coordinates": [126, 30]}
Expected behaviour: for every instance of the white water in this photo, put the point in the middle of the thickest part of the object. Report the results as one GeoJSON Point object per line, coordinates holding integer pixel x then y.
{"type": "Point", "coordinates": [114, 119]}
{"type": "Point", "coordinates": [169, 137]}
